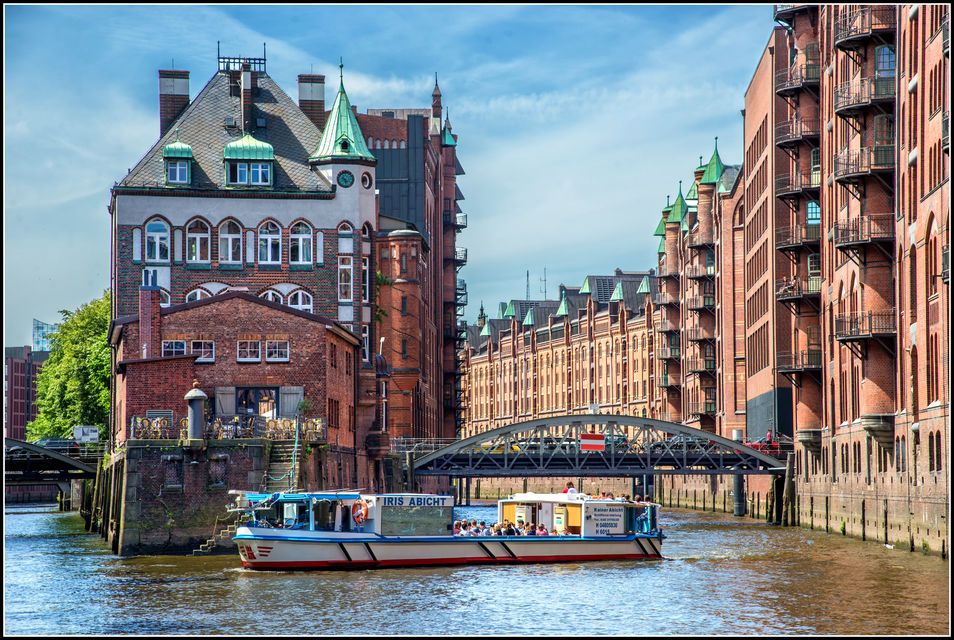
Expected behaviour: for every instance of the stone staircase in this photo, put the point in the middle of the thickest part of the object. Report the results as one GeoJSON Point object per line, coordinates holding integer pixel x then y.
{"type": "Point", "coordinates": [222, 536]}
{"type": "Point", "coordinates": [281, 460]}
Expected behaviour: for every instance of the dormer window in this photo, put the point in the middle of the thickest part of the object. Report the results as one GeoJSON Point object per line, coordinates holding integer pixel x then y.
{"type": "Point", "coordinates": [248, 162]}
{"type": "Point", "coordinates": [178, 158]}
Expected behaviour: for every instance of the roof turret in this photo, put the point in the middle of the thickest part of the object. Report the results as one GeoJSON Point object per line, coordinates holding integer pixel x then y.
{"type": "Point", "coordinates": [715, 167]}
{"type": "Point", "coordinates": [341, 139]}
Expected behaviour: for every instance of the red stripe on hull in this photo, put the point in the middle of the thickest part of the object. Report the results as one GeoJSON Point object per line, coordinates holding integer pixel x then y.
{"type": "Point", "coordinates": [372, 564]}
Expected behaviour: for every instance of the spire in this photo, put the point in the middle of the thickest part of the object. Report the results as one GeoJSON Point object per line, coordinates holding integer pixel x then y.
{"type": "Point", "coordinates": [561, 311]}
{"type": "Point", "coordinates": [481, 317]}
{"type": "Point", "coordinates": [447, 138]}
{"type": "Point", "coordinates": [679, 207]}
{"type": "Point", "coordinates": [435, 105]}
{"type": "Point", "coordinates": [437, 89]}
{"type": "Point", "coordinates": [715, 167]}
{"type": "Point", "coordinates": [341, 139]}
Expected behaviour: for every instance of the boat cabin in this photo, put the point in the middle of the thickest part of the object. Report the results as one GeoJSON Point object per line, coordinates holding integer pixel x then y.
{"type": "Point", "coordinates": [579, 514]}
{"type": "Point", "coordinates": [394, 514]}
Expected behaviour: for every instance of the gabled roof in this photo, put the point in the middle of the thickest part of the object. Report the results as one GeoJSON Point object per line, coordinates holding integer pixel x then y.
{"type": "Point", "coordinates": [714, 168]}
{"type": "Point", "coordinates": [342, 139]}
{"type": "Point", "coordinates": [202, 126]}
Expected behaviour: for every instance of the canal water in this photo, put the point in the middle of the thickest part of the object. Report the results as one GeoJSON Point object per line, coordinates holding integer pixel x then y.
{"type": "Point", "coordinates": [722, 576]}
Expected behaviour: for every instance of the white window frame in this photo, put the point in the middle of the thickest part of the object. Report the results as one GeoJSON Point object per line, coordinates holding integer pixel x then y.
{"type": "Point", "coordinates": [165, 299]}
{"type": "Point", "coordinates": [198, 239]}
{"type": "Point", "coordinates": [301, 241]}
{"type": "Point", "coordinates": [156, 240]}
{"type": "Point", "coordinates": [247, 349]}
{"type": "Point", "coordinates": [269, 344]}
{"type": "Point", "coordinates": [272, 296]}
{"type": "Point", "coordinates": [177, 171]}
{"type": "Point", "coordinates": [197, 294]}
{"type": "Point", "coordinates": [192, 349]}
{"type": "Point", "coordinates": [271, 243]}
{"type": "Point", "coordinates": [172, 348]}
{"type": "Point", "coordinates": [241, 173]}
{"type": "Point", "coordinates": [261, 169]}
{"type": "Point", "coordinates": [296, 300]}
{"type": "Point", "coordinates": [365, 343]}
{"type": "Point", "coordinates": [365, 278]}
{"type": "Point", "coordinates": [345, 278]}
{"type": "Point", "coordinates": [230, 241]}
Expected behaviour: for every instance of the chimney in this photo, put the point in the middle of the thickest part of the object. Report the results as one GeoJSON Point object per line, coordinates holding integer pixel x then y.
{"type": "Point", "coordinates": [311, 98]}
{"type": "Point", "coordinates": [173, 97]}
{"type": "Point", "coordinates": [150, 329]}
{"type": "Point", "coordinates": [246, 87]}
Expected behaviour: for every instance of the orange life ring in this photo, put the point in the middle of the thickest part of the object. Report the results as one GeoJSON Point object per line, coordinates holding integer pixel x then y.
{"type": "Point", "coordinates": [359, 511]}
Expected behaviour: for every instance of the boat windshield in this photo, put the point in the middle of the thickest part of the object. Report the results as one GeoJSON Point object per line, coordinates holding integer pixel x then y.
{"type": "Point", "coordinates": [417, 520]}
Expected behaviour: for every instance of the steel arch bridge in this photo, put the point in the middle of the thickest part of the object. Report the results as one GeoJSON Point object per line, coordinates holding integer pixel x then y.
{"type": "Point", "coordinates": [634, 446]}
{"type": "Point", "coordinates": [29, 463]}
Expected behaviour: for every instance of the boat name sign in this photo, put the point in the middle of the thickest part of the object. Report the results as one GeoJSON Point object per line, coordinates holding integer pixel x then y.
{"type": "Point", "coordinates": [417, 501]}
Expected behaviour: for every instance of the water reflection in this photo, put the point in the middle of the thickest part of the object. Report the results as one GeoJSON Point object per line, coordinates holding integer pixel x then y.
{"type": "Point", "coordinates": [721, 576]}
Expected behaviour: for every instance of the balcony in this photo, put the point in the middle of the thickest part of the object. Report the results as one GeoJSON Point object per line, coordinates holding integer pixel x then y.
{"type": "Point", "coordinates": [705, 302]}
{"type": "Point", "coordinates": [864, 230]}
{"type": "Point", "coordinates": [854, 28]}
{"type": "Point", "coordinates": [798, 77]}
{"type": "Point", "coordinates": [699, 238]}
{"type": "Point", "coordinates": [662, 299]}
{"type": "Point", "coordinates": [701, 365]}
{"type": "Point", "coordinates": [810, 439]}
{"type": "Point", "coordinates": [797, 236]}
{"type": "Point", "coordinates": [666, 326]}
{"type": "Point", "coordinates": [794, 289]}
{"type": "Point", "coordinates": [946, 264]}
{"type": "Point", "coordinates": [785, 12]}
{"type": "Point", "coordinates": [456, 220]}
{"type": "Point", "coordinates": [707, 408]}
{"type": "Point", "coordinates": [790, 186]}
{"type": "Point", "coordinates": [668, 353]}
{"type": "Point", "coordinates": [946, 132]}
{"type": "Point", "coordinates": [854, 96]}
{"type": "Point", "coordinates": [699, 334]}
{"type": "Point", "coordinates": [799, 361]}
{"type": "Point", "coordinates": [946, 34]}
{"type": "Point", "coordinates": [460, 257]}
{"type": "Point", "coordinates": [796, 130]}
{"type": "Point", "coordinates": [461, 294]}
{"type": "Point", "coordinates": [668, 380]}
{"type": "Point", "coordinates": [666, 272]}
{"type": "Point", "coordinates": [700, 271]}
{"type": "Point", "coordinates": [858, 164]}
{"type": "Point", "coordinates": [853, 327]}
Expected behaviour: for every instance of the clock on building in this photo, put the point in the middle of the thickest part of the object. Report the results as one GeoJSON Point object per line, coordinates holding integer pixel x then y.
{"type": "Point", "coordinates": [346, 179]}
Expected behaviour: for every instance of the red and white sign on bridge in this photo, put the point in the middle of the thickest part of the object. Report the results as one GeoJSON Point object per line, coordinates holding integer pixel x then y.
{"type": "Point", "coordinates": [592, 442]}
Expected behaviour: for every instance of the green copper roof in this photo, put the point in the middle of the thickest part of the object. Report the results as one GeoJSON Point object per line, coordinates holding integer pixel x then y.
{"type": "Point", "coordinates": [685, 224]}
{"type": "Point", "coordinates": [509, 313]}
{"type": "Point", "coordinates": [679, 207]}
{"type": "Point", "coordinates": [341, 138]}
{"type": "Point", "coordinates": [486, 330]}
{"type": "Point", "coordinates": [693, 191]}
{"type": "Point", "coordinates": [617, 292]}
{"type": "Point", "coordinates": [586, 286]}
{"type": "Point", "coordinates": [715, 167]}
{"type": "Point", "coordinates": [501, 307]}
{"type": "Point", "coordinates": [177, 149]}
{"type": "Point", "coordinates": [644, 285]}
{"type": "Point", "coordinates": [662, 246]}
{"type": "Point", "coordinates": [561, 310]}
{"type": "Point", "coordinates": [447, 139]}
{"type": "Point", "coordinates": [528, 321]}
{"type": "Point", "coordinates": [248, 148]}
{"type": "Point", "coordinates": [660, 228]}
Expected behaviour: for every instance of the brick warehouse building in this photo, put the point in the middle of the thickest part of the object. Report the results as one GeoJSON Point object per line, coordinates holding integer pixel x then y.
{"type": "Point", "coordinates": [826, 280]}
{"type": "Point", "coordinates": [302, 206]}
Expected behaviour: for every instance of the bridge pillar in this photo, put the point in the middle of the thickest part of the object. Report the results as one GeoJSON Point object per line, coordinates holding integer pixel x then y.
{"type": "Point", "coordinates": [738, 482]}
{"type": "Point", "coordinates": [467, 490]}
{"type": "Point", "coordinates": [778, 503]}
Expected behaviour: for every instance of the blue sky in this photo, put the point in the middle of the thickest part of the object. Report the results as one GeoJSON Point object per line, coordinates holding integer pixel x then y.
{"type": "Point", "coordinates": [574, 122]}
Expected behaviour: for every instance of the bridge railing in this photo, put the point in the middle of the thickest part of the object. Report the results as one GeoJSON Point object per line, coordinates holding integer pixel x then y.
{"type": "Point", "coordinates": [82, 451]}
{"type": "Point", "coordinates": [230, 427]}
{"type": "Point", "coordinates": [419, 446]}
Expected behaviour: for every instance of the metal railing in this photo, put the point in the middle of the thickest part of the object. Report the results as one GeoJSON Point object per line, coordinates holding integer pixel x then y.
{"type": "Point", "coordinates": [706, 301]}
{"type": "Point", "coordinates": [798, 76]}
{"type": "Point", "coordinates": [699, 334]}
{"type": "Point", "coordinates": [664, 298]}
{"type": "Point", "coordinates": [701, 365]}
{"type": "Point", "coordinates": [799, 360]}
{"type": "Point", "coordinates": [699, 238]}
{"type": "Point", "coordinates": [946, 131]}
{"type": "Point", "coordinates": [858, 162]}
{"type": "Point", "coordinates": [460, 254]}
{"type": "Point", "coordinates": [865, 229]}
{"type": "Point", "coordinates": [796, 129]}
{"type": "Point", "coordinates": [797, 235]}
{"type": "Point", "coordinates": [865, 324]}
{"type": "Point", "coordinates": [706, 408]}
{"type": "Point", "coordinates": [793, 288]}
{"type": "Point", "coordinates": [789, 184]}
{"type": "Point", "coordinates": [667, 273]}
{"type": "Point", "coordinates": [419, 446]}
{"type": "Point", "coordinates": [863, 92]}
{"type": "Point", "coordinates": [696, 271]}
{"type": "Point", "coordinates": [461, 293]}
{"type": "Point", "coordinates": [666, 325]}
{"type": "Point", "coordinates": [863, 22]}
{"type": "Point", "coordinates": [229, 427]}
{"type": "Point", "coordinates": [458, 220]}
{"type": "Point", "coordinates": [668, 353]}
{"type": "Point", "coordinates": [668, 380]}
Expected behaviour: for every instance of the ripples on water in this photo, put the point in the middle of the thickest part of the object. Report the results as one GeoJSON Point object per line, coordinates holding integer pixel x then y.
{"type": "Point", "coordinates": [722, 576]}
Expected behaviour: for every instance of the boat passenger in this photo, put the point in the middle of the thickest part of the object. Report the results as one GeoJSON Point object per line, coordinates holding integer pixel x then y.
{"type": "Point", "coordinates": [541, 530]}
{"type": "Point", "coordinates": [569, 488]}
{"type": "Point", "coordinates": [529, 530]}
{"type": "Point", "coordinates": [456, 527]}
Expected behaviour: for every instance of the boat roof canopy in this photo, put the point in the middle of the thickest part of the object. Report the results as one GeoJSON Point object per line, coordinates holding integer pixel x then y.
{"type": "Point", "coordinates": [565, 498]}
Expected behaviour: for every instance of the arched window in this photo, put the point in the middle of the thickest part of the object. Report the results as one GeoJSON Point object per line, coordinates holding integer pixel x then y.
{"type": "Point", "coordinates": [937, 451]}
{"type": "Point", "coordinates": [387, 145]}
{"type": "Point", "coordinates": [269, 244]}
{"type": "Point", "coordinates": [164, 299]}
{"type": "Point", "coordinates": [931, 452]}
{"type": "Point", "coordinates": [403, 144]}
{"type": "Point", "coordinates": [813, 212]}
{"type": "Point", "coordinates": [272, 296]}
{"type": "Point", "coordinates": [197, 294]}
{"type": "Point", "coordinates": [300, 250]}
{"type": "Point", "coordinates": [300, 300]}
{"type": "Point", "coordinates": [230, 243]}
{"type": "Point", "coordinates": [884, 62]}
{"type": "Point", "coordinates": [157, 241]}
{"type": "Point", "coordinates": [198, 239]}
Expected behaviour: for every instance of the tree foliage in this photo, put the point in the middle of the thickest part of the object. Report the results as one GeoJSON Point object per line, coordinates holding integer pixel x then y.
{"type": "Point", "coordinates": [73, 385]}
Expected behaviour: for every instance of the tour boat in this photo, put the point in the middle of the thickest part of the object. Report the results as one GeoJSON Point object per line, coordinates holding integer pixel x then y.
{"type": "Point", "coordinates": [352, 530]}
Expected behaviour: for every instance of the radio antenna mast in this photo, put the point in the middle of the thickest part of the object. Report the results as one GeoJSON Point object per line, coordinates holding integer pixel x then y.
{"type": "Point", "coordinates": [528, 285]}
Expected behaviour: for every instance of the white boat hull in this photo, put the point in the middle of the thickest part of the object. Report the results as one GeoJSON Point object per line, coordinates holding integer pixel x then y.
{"type": "Point", "coordinates": [279, 549]}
